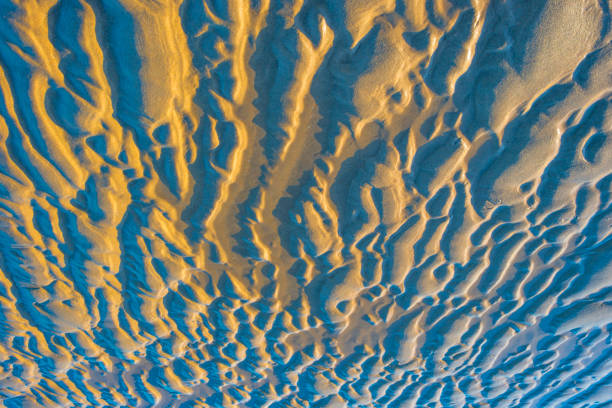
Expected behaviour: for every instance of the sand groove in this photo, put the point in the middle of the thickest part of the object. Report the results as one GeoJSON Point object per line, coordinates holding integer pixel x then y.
{"type": "Point", "coordinates": [293, 203]}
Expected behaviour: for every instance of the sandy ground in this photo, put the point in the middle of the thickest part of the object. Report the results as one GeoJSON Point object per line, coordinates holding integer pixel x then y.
{"type": "Point", "coordinates": [295, 203]}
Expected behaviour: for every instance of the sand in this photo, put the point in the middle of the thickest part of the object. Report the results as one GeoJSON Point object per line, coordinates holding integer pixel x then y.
{"type": "Point", "coordinates": [291, 203]}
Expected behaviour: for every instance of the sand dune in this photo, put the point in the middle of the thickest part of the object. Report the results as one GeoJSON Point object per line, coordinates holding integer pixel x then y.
{"type": "Point", "coordinates": [256, 203]}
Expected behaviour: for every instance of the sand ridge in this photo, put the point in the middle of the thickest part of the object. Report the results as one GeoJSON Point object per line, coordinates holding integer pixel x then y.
{"type": "Point", "coordinates": [210, 203]}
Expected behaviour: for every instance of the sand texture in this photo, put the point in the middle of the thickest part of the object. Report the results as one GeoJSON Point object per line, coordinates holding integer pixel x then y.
{"type": "Point", "coordinates": [305, 203]}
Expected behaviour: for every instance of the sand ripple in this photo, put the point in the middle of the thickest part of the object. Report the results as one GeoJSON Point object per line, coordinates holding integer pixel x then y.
{"type": "Point", "coordinates": [298, 203]}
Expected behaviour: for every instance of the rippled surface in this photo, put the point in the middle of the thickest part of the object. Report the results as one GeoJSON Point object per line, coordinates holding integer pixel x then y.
{"type": "Point", "coordinates": [300, 203]}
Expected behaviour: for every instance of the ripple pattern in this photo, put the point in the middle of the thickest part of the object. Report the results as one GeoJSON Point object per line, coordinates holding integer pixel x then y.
{"type": "Point", "coordinates": [305, 203]}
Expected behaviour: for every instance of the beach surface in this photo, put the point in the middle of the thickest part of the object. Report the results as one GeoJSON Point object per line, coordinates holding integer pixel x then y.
{"type": "Point", "coordinates": [305, 203]}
